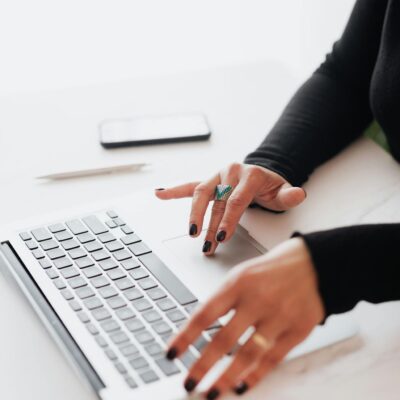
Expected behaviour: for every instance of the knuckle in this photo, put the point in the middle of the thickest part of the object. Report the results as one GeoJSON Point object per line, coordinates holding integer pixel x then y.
{"type": "Point", "coordinates": [218, 207]}
{"type": "Point", "coordinates": [234, 167]}
{"type": "Point", "coordinates": [236, 202]}
{"type": "Point", "coordinates": [201, 189]}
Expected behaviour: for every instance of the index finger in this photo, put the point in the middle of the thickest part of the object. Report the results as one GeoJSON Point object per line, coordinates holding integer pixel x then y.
{"type": "Point", "coordinates": [177, 192]}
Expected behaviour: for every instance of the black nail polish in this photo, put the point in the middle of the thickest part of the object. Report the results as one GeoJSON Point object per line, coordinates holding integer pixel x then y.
{"type": "Point", "coordinates": [206, 246]}
{"type": "Point", "coordinates": [190, 384]}
{"type": "Point", "coordinates": [171, 353]}
{"type": "Point", "coordinates": [212, 394]}
{"type": "Point", "coordinates": [221, 236]}
{"type": "Point", "coordinates": [159, 189]}
{"type": "Point", "coordinates": [241, 388]}
{"type": "Point", "coordinates": [193, 229]}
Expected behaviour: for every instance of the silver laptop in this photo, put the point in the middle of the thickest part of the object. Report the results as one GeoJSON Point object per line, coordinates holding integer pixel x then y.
{"type": "Point", "coordinates": [113, 282]}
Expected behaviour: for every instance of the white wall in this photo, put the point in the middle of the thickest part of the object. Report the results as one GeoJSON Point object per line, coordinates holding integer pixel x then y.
{"type": "Point", "coordinates": [48, 44]}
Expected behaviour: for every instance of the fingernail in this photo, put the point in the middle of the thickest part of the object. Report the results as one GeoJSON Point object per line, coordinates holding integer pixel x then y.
{"type": "Point", "coordinates": [193, 229]}
{"type": "Point", "coordinates": [190, 384]}
{"type": "Point", "coordinates": [159, 189]}
{"type": "Point", "coordinates": [206, 246]}
{"type": "Point", "coordinates": [241, 388]}
{"type": "Point", "coordinates": [221, 236]}
{"type": "Point", "coordinates": [171, 353]}
{"type": "Point", "coordinates": [212, 394]}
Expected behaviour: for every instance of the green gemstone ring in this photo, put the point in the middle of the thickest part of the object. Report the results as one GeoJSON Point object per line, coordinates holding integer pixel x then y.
{"type": "Point", "coordinates": [222, 192]}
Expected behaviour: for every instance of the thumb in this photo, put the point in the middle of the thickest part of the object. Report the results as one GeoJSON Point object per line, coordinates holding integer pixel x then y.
{"type": "Point", "coordinates": [289, 197]}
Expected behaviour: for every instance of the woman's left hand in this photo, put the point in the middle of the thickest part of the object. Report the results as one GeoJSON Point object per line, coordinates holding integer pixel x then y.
{"type": "Point", "coordinates": [277, 294]}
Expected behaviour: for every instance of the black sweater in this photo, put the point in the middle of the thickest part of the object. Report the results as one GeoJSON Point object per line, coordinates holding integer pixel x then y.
{"type": "Point", "coordinates": [358, 82]}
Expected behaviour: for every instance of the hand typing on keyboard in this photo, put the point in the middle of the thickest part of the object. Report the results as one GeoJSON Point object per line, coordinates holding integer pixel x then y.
{"type": "Point", "coordinates": [277, 294]}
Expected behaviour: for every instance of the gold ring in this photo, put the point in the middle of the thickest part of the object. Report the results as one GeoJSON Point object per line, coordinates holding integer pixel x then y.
{"type": "Point", "coordinates": [262, 341]}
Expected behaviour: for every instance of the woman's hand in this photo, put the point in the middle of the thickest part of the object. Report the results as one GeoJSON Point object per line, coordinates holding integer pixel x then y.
{"type": "Point", "coordinates": [251, 183]}
{"type": "Point", "coordinates": [277, 294]}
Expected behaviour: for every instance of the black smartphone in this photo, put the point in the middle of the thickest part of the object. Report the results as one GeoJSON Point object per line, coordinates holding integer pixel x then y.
{"type": "Point", "coordinates": [144, 130]}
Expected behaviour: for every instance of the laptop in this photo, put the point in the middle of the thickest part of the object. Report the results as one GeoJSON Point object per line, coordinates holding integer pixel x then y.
{"type": "Point", "coordinates": [114, 281]}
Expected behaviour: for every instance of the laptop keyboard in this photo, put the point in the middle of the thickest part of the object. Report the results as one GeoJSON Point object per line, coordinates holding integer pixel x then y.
{"type": "Point", "coordinates": [128, 299]}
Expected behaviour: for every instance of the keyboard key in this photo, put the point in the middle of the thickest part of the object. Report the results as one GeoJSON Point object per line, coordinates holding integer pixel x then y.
{"type": "Point", "coordinates": [111, 355]}
{"type": "Point", "coordinates": [83, 317]}
{"type": "Point", "coordinates": [130, 264]}
{"type": "Point", "coordinates": [100, 255]}
{"type": "Point", "coordinates": [69, 272]}
{"type": "Point", "coordinates": [93, 246]}
{"type": "Point", "coordinates": [92, 329]}
{"type": "Point", "coordinates": [119, 221]}
{"type": "Point", "coordinates": [152, 316]}
{"type": "Point", "coordinates": [112, 214]}
{"type": "Point", "coordinates": [168, 367]}
{"type": "Point", "coordinates": [188, 359]}
{"type": "Point", "coordinates": [153, 349]}
{"type": "Point", "coordinates": [41, 234]}
{"type": "Point", "coordinates": [134, 324]}
{"type": "Point", "coordinates": [130, 239]}
{"type": "Point", "coordinates": [108, 264]}
{"type": "Point", "coordinates": [67, 294]}
{"type": "Point", "coordinates": [119, 337]}
{"type": "Point", "coordinates": [75, 305]}
{"type": "Point", "coordinates": [85, 237]}
{"type": "Point", "coordinates": [95, 225]}
{"type": "Point", "coordinates": [149, 376]}
{"type": "Point", "coordinates": [56, 228]}
{"type": "Point", "coordinates": [76, 227]}
{"type": "Point", "coordinates": [52, 273]}
{"type": "Point", "coordinates": [84, 262]}
{"type": "Point", "coordinates": [25, 236]}
{"type": "Point", "coordinates": [49, 244]}
{"type": "Point", "coordinates": [116, 302]}
{"type": "Point", "coordinates": [133, 294]}
{"type": "Point", "coordinates": [70, 244]}
{"type": "Point", "coordinates": [84, 292]}
{"type": "Point", "coordinates": [161, 328]}
{"type": "Point", "coordinates": [168, 279]}
{"type": "Point", "coordinates": [114, 246]}
{"type": "Point", "coordinates": [55, 253]}
{"type": "Point", "coordinates": [130, 382]}
{"type": "Point", "coordinates": [141, 305]}
{"type": "Point", "coordinates": [107, 292]}
{"type": "Point", "coordinates": [116, 273]}
{"type": "Point", "coordinates": [138, 363]}
{"type": "Point", "coordinates": [124, 283]}
{"type": "Point", "coordinates": [31, 244]}
{"type": "Point", "coordinates": [101, 314]}
{"type": "Point", "coordinates": [91, 272]}
{"type": "Point", "coordinates": [139, 249]}
{"type": "Point", "coordinates": [38, 254]}
{"type": "Point", "coordinates": [176, 315]}
{"type": "Point", "coordinates": [166, 304]}
{"type": "Point", "coordinates": [92, 303]}
{"type": "Point", "coordinates": [121, 255]}
{"type": "Point", "coordinates": [110, 326]}
{"type": "Point", "coordinates": [106, 237]}
{"type": "Point", "coordinates": [59, 283]}
{"type": "Point", "coordinates": [77, 282]}
{"type": "Point", "coordinates": [99, 281]}
{"type": "Point", "coordinates": [156, 294]}
{"type": "Point", "coordinates": [147, 283]}
{"type": "Point", "coordinates": [125, 313]}
{"type": "Point", "coordinates": [62, 262]}
{"type": "Point", "coordinates": [144, 337]}
{"type": "Point", "coordinates": [121, 368]}
{"type": "Point", "coordinates": [126, 229]}
{"type": "Point", "coordinates": [77, 253]}
{"type": "Point", "coordinates": [64, 235]}
{"type": "Point", "coordinates": [45, 263]}
{"type": "Point", "coordinates": [129, 350]}
{"type": "Point", "coordinates": [111, 224]}
{"type": "Point", "coordinates": [190, 308]}
{"type": "Point", "coordinates": [101, 341]}
{"type": "Point", "coordinates": [139, 273]}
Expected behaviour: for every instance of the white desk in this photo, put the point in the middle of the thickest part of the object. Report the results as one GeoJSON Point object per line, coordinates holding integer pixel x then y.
{"type": "Point", "coordinates": [57, 131]}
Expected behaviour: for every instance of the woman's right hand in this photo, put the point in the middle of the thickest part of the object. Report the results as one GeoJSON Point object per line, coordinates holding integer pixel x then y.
{"type": "Point", "coordinates": [251, 184]}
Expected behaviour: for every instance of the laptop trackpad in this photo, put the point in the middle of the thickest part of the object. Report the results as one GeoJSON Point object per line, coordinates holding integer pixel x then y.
{"type": "Point", "coordinates": [207, 273]}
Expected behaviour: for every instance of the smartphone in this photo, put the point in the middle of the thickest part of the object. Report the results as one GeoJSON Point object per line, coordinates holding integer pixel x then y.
{"type": "Point", "coordinates": [153, 130]}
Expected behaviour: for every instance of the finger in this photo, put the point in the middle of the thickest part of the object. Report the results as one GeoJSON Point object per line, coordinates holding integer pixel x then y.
{"type": "Point", "coordinates": [177, 192]}
{"type": "Point", "coordinates": [202, 195]}
{"type": "Point", "coordinates": [249, 355]}
{"type": "Point", "coordinates": [287, 197]}
{"type": "Point", "coordinates": [218, 305]}
{"type": "Point", "coordinates": [210, 242]}
{"type": "Point", "coordinates": [221, 344]}
{"type": "Point", "coordinates": [268, 362]}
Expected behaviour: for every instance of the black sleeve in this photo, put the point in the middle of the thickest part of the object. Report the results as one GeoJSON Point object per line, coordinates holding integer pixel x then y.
{"type": "Point", "coordinates": [332, 108]}
{"type": "Point", "coordinates": [356, 263]}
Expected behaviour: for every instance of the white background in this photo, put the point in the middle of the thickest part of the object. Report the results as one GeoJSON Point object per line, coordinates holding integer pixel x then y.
{"type": "Point", "coordinates": [46, 44]}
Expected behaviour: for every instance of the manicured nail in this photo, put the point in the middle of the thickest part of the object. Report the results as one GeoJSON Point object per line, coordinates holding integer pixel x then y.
{"type": "Point", "coordinates": [221, 236]}
{"type": "Point", "coordinates": [159, 189]}
{"type": "Point", "coordinates": [190, 384]}
{"type": "Point", "coordinates": [212, 394]}
{"type": "Point", "coordinates": [193, 229]}
{"type": "Point", "coordinates": [206, 246]}
{"type": "Point", "coordinates": [241, 388]}
{"type": "Point", "coordinates": [171, 353]}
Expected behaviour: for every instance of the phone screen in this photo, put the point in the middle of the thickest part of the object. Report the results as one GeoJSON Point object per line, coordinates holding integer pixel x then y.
{"type": "Point", "coordinates": [153, 129]}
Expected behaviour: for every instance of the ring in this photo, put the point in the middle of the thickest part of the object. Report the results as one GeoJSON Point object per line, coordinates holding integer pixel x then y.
{"type": "Point", "coordinates": [222, 192]}
{"type": "Point", "coordinates": [262, 341]}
